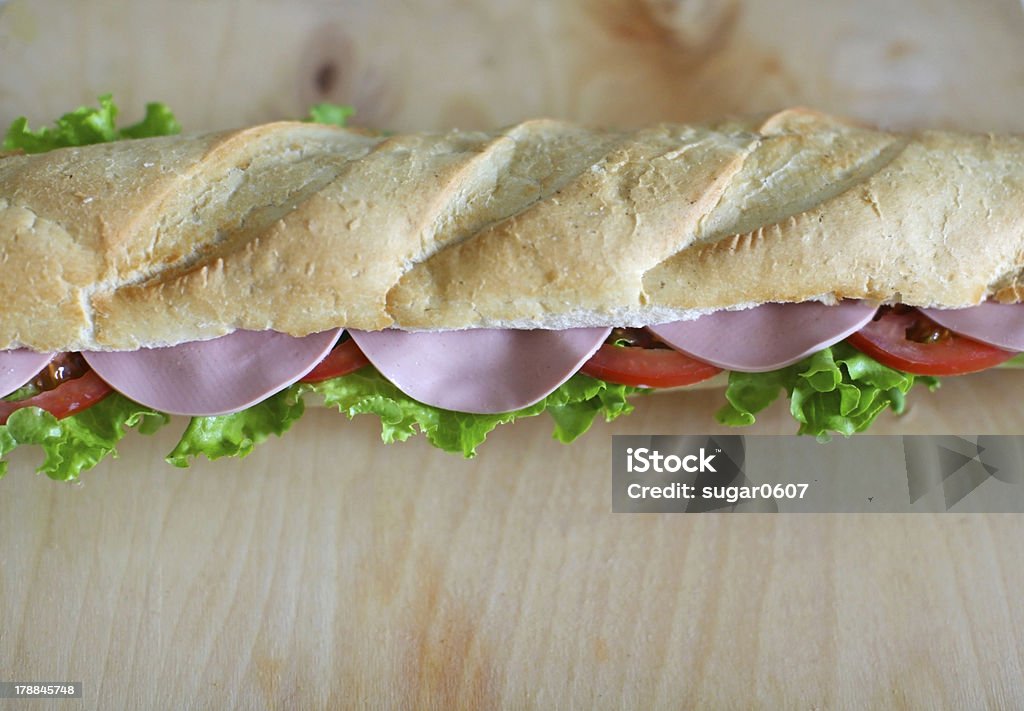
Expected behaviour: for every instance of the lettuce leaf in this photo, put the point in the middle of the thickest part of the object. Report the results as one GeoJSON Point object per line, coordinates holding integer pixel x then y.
{"type": "Point", "coordinates": [236, 434]}
{"type": "Point", "coordinates": [330, 114]}
{"type": "Point", "coordinates": [574, 406]}
{"type": "Point", "coordinates": [838, 390]}
{"type": "Point", "coordinates": [86, 125]}
{"type": "Point", "coordinates": [79, 442]}
{"type": "Point", "coordinates": [1016, 362]}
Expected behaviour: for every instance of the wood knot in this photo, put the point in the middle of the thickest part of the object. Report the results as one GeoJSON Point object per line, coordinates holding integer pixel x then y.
{"type": "Point", "coordinates": [325, 78]}
{"type": "Point", "coordinates": [335, 69]}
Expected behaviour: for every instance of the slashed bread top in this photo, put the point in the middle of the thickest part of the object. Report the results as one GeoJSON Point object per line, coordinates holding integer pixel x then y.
{"type": "Point", "coordinates": [300, 228]}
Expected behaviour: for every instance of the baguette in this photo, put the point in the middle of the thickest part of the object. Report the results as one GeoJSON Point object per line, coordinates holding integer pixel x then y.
{"type": "Point", "coordinates": [300, 228]}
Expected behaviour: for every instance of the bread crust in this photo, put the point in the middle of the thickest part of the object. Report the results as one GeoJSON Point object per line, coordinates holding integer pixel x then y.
{"type": "Point", "coordinates": [299, 228]}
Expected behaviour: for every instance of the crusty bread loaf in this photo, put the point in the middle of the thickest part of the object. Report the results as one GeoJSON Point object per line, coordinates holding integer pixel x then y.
{"type": "Point", "coordinates": [299, 228]}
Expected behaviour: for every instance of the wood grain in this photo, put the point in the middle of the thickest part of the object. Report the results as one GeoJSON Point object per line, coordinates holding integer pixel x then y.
{"type": "Point", "coordinates": [413, 64]}
{"type": "Point", "coordinates": [328, 570]}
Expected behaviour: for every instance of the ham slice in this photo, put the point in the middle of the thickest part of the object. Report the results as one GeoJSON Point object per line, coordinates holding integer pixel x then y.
{"type": "Point", "coordinates": [215, 377]}
{"type": "Point", "coordinates": [766, 337]}
{"type": "Point", "coordinates": [17, 367]}
{"type": "Point", "coordinates": [483, 371]}
{"type": "Point", "coordinates": [999, 325]}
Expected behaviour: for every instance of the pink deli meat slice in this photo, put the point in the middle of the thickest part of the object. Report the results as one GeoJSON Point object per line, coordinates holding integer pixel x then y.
{"type": "Point", "coordinates": [999, 325]}
{"type": "Point", "coordinates": [215, 377]}
{"type": "Point", "coordinates": [17, 367]}
{"type": "Point", "coordinates": [483, 371]}
{"type": "Point", "coordinates": [766, 337]}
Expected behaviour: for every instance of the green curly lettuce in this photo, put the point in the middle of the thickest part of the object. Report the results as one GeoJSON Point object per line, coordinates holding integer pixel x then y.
{"type": "Point", "coordinates": [574, 406]}
{"type": "Point", "coordinates": [330, 114]}
{"type": "Point", "coordinates": [236, 434]}
{"type": "Point", "coordinates": [837, 390]}
{"type": "Point", "coordinates": [1016, 362]}
{"type": "Point", "coordinates": [86, 125]}
{"type": "Point", "coordinates": [78, 442]}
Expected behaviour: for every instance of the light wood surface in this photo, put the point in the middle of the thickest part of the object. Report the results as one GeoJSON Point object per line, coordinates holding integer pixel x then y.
{"type": "Point", "coordinates": [416, 64]}
{"type": "Point", "coordinates": [330, 571]}
{"type": "Point", "coordinates": [327, 570]}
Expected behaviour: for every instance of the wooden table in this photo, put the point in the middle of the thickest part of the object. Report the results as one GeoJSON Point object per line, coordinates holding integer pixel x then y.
{"type": "Point", "coordinates": [330, 571]}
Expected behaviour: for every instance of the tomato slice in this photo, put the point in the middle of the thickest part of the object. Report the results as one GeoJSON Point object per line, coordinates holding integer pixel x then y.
{"type": "Point", "coordinates": [886, 340]}
{"type": "Point", "coordinates": [647, 367]}
{"type": "Point", "coordinates": [344, 359]}
{"type": "Point", "coordinates": [68, 398]}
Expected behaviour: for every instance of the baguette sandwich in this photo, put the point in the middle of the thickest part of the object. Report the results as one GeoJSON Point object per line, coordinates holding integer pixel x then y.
{"type": "Point", "coordinates": [454, 281]}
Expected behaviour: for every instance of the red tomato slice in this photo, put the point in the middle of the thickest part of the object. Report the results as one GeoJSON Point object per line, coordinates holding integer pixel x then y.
{"type": "Point", "coordinates": [649, 367]}
{"type": "Point", "coordinates": [68, 398]}
{"type": "Point", "coordinates": [886, 341]}
{"type": "Point", "coordinates": [344, 359]}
